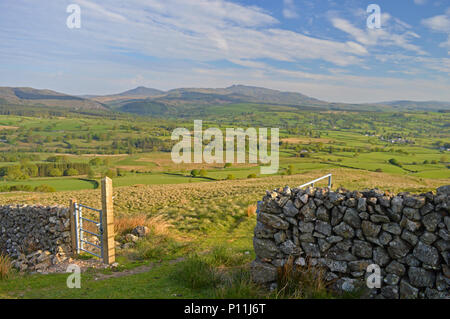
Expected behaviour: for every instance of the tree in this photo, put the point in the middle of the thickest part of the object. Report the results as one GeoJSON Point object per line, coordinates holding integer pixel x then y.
{"type": "Point", "coordinates": [55, 172]}
{"type": "Point", "coordinates": [70, 172]}
{"type": "Point", "coordinates": [91, 173]}
{"type": "Point", "coordinates": [57, 159]}
{"type": "Point", "coordinates": [203, 173]}
{"type": "Point", "coordinates": [393, 161]}
{"type": "Point", "coordinates": [228, 165]}
{"type": "Point", "coordinates": [95, 162]}
{"type": "Point", "coordinates": [30, 169]}
{"type": "Point", "coordinates": [44, 189]}
{"type": "Point", "coordinates": [15, 173]}
{"type": "Point", "coordinates": [111, 173]}
{"type": "Point", "coordinates": [195, 173]}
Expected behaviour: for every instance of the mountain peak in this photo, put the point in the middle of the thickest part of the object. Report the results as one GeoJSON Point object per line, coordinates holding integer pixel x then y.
{"type": "Point", "coordinates": [142, 91]}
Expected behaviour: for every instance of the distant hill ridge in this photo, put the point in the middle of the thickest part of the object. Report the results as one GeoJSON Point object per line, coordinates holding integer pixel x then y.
{"type": "Point", "coordinates": [34, 97]}
{"type": "Point", "coordinates": [182, 98]}
{"type": "Point", "coordinates": [417, 105]}
{"type": "Point", "coordinates": [150, 101]}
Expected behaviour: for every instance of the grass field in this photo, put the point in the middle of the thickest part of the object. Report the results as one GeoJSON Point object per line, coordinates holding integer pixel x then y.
{"type": "Point", "coordinates": [201, 215]}
{"type": "Point", "coordinates": [59, 184]}
{"type": "Point", "coordinates": [151, 179]}
{"type": "Point", "coordinates": [201, 218]}
{"type": "Point", "coordinates": [164, 172]}
{"type": "Point", "coordinates": [358, 140]}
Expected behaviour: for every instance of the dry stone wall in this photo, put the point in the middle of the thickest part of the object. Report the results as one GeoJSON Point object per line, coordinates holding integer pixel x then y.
{"type": "Point", "coordinates": [35, 236]}
{"type": "Point", "coordinates": [344, 232]}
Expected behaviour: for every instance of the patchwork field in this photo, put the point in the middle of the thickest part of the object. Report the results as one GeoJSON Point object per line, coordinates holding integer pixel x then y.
{"type": "Point", "coordinates": [139, 153]}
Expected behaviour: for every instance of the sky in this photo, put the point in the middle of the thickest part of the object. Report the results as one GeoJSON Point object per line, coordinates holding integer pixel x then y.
{"type": "Point", "coordinates": [322, 48]}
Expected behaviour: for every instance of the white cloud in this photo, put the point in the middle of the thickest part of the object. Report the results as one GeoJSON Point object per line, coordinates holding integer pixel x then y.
{"type": "Point", "coordinates": [100, 10]}
{"type": "Point", "coordinates": [206, 30]}
{"type": "Point", "coordinates": [437, 64]}
{"type": "Point", "coordinates": [209, 30]}
{"type": "Point", "coordinates": [174, 43]}
{"type": "Point", "coordinates": [426, 63]}
{"type": "Point", "coordinates": [249, 64]}
{"type": "Point", "coordinates": [220, 11]}
{"type": "Point", "coordinates": [383, 37]}
{"type": "Point", "coordinates": [420, 2]}
{"type": "Point", "coordinates": [440, 23]}
{"type": "Point", "coordinates": [289, 9]}
{"type": "Point", "coordinates": [359, 48]}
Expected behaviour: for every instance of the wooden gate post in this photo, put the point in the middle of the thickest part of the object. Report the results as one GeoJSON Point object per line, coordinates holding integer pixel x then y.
{"type": "Point", "coordinates": [73, 226]}
{"type": "Point", "coordinates": [109, 253]}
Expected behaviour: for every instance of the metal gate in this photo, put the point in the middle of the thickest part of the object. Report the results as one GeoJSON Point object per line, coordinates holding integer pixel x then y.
{"type": "Point", "coordinates": [81, 231]}
{"type": "Point", "coordinates": [329, 176]}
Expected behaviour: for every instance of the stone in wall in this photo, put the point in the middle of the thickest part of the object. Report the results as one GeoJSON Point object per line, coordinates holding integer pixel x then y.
{"type": "Point", "coordinates": [406, 235]}
{"type": "Point", "coordinates": [35, 236]}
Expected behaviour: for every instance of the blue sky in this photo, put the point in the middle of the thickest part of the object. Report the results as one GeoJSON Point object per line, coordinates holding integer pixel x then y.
{"type": "Point", "coordinates": [320, 48]}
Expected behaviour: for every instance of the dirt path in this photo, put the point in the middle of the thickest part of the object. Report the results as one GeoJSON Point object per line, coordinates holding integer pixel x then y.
{"type": "Point", "coordinates": [90, 264]}
{"type": "Point", "coordinates": [134, 271]}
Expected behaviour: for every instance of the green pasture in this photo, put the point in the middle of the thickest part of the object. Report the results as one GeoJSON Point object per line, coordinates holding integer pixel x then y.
{"type": "Point", "coordinates": [154, 179]}
{"type": "Point", "coordinates": [58, 183]}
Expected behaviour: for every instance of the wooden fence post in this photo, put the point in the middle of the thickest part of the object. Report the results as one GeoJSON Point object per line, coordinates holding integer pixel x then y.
{"type": "Point", "coordinates": [73, 228]}
{"type": "Point", "coordinates": [109, 254]}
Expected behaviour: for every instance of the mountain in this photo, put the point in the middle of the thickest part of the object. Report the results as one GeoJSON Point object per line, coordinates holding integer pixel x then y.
{"type": "Point", "coordinates": [189, 101]}
{"type": "Point", "coordinates": [244, 94]}
{"type": "Point", "coordinates": [418, 105]}
{"type": "Point", "coordinates": [187, 98]}
{"type": "Point", "coordinates": [34, 97]}
{"type": "Point", "coordinates": [115, 100]}
{"type": "Point", "coordinates": [184, 101]}
{"type": "Point", "coordinates": [141, 91]}
{"type": "Point", "coordinates": [262, 95]}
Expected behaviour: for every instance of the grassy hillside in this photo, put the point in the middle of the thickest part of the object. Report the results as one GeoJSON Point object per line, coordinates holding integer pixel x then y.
{"type": "Point", "coordinates": [201, 240]}
{"type": "Point", "coordinates": [46, 98]}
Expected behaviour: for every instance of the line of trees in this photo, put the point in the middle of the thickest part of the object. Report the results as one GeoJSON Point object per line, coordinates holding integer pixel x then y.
{"type": "Point", "coordinates": [27, 188]}
{"type": "Point", "coordinates": [27, 170]}
{"type": "Point", "coordinates": [16, 157]}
